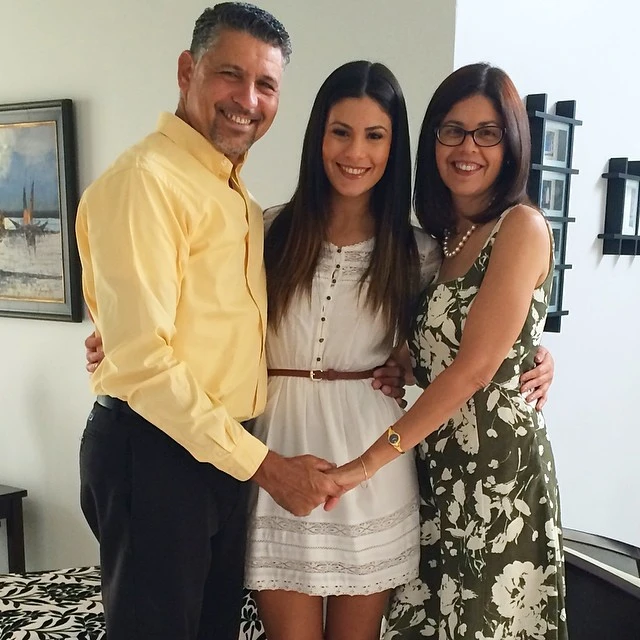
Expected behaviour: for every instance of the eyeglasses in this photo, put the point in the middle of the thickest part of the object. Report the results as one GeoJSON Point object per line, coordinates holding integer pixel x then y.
{"type": "Point", "coordinates": [450, 135]}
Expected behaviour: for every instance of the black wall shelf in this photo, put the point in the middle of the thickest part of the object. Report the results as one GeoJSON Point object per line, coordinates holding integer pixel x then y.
{"type": "Point", "coordinates": [550, 182]}
{"type": "Point", "coordinates": [621, 235]}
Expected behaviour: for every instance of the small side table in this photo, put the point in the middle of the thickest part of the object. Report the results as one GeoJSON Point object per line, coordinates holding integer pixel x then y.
{"type": "Point", "coordinates": [11, 511]}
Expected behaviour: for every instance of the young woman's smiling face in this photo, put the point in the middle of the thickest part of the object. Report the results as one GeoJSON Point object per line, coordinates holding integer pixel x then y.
{"type": "Point", "coordinates": [355, 146]}
{"type": "Point", "coordinates": [470, 170]}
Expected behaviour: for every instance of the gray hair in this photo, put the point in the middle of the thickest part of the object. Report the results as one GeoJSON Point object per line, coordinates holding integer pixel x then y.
{"type": "Point", "coordinates": [239, 16]}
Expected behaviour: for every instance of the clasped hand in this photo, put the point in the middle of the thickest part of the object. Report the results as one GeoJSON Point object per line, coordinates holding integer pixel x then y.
{"type": "Point", "coordinates": [302, 483]}
{"type": "Point", "coordinates": [347, 477]}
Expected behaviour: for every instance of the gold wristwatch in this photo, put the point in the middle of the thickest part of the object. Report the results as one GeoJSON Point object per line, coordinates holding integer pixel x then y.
{"type": "Point", "coordinates": [393, 438]}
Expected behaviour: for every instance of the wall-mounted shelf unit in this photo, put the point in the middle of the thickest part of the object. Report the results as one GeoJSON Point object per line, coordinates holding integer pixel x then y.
{"type": "Point", "coordinates": [549, 184]}
{"type": "Point", "coordinates": [621, 235]}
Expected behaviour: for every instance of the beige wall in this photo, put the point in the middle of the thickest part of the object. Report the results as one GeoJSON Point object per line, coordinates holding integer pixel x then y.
{"type": "Point", "coordinates": [117, 61]}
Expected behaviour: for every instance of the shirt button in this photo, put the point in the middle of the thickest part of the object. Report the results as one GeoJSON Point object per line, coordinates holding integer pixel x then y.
{"type": "Point", "coordinates": [339, 249]}
{"type": "Point", "coordinates": [323, 319]}
{"type": "Point", "coordinates": [328, 297]}
{"type": "Point", "coordinates": [337, 266]}
{"type": "Point", "coordinates": [333, 281]}
{"type": "Point", "coordinates": [318, 359]}
{"type": "Point", "coordinates": [321, 340]}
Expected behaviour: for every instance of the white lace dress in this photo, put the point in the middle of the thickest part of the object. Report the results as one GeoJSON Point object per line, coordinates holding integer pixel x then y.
{"type": "Point", "coordinates": [370, 542]}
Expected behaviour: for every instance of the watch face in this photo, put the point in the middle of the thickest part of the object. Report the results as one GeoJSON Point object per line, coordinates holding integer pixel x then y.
{"type": "Point", "coordinates": [394, 438]}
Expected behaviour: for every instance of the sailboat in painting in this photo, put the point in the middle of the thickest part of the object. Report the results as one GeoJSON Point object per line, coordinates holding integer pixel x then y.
{"type": "Point", "coordinates": [30, 228]}
{"type": "Point", "coordinates": [29, 252]}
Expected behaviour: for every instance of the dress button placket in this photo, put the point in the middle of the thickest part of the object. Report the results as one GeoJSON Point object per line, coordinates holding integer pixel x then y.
{"type": "Point", "coordinates": [324, 310]}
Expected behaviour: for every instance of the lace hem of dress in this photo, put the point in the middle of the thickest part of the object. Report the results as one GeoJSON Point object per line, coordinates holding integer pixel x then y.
{"type": "Point", "coordinates": [332, 566]}
{"type": "Point", "coordinates": [333, 590]}
{"type": "Point", "coordinates": [297, 525]}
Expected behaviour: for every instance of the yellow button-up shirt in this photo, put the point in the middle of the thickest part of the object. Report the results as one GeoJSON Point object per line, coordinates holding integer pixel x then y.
{"type": "Point", "coordinates": [171, 247]}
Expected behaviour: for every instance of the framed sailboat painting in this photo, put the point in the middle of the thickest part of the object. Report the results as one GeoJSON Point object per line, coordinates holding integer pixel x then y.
{"type": "Point", "coordinates": [39, 264]}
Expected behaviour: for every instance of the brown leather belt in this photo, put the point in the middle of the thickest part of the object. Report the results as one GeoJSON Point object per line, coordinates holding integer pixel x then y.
{"type": "Point", "coordinates": [319, 374]}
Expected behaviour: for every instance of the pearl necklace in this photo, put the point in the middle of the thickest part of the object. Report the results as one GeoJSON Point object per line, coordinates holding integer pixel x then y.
{"type": "Point", "coordinates": [456, 251]}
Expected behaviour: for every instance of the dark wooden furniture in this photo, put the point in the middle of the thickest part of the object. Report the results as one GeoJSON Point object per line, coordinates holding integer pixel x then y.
{"type": "Point", "coordinates": [11, 511]}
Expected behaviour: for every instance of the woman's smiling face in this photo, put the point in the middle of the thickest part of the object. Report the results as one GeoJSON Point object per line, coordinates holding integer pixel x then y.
{"type": "Point", "coordinates": [355, 146]}
{"type": "Point", "coordinates": [469, 171]}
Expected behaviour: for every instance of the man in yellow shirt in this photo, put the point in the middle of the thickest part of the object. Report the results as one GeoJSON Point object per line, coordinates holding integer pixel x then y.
{"type": "Point", "coordinates": [171, 247]}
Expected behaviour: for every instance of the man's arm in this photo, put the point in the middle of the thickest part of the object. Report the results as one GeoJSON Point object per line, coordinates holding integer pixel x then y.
{"type": "Point", "coordinates": [394, 374]}
{"type": "Point", "coordinates": [287, 480]}
{"type": "Point", "coordinates": [536, 382]}
{"type": "Point", "coordinates": [134, 245]}
{"type": "Point", "coordinates": [298, 484]}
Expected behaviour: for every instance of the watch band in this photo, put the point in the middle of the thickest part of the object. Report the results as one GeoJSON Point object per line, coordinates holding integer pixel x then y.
{"type": "Point", "coordinates": [393, 438]}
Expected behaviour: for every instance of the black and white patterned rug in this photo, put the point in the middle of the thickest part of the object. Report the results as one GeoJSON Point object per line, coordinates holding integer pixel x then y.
{"type": "Point", "coordinates": [56, 605]}
{"type": "Point", "coordinates": [66, 605]}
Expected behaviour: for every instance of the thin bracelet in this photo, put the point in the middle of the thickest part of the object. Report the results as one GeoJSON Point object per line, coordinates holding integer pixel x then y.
{"type": "Point", "coordinates": [365, 483]}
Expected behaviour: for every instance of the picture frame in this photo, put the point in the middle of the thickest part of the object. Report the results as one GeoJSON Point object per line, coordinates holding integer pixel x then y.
{"type": "Point", "coordinates": [556, 143]}
{"type": "Point", "coordinates": [557, 232]}
{"type": "Point", "coordinates": [553, 193]}
{"type": "Point", "coordinates": [39, 263]}
{"type": "Point", "coordinates": [630, 209]}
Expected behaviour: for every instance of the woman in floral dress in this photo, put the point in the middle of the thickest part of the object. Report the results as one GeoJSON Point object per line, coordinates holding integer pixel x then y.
{"type": "Point", "coordinates": [491, 556]}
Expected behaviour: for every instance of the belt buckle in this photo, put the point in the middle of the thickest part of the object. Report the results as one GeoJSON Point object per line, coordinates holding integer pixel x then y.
{"type": "Point", "coordinates": [312, 373]}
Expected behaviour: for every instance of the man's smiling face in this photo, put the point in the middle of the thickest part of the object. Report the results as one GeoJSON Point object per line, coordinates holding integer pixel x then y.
{"type": "Point", "coordinates": [230, 93]}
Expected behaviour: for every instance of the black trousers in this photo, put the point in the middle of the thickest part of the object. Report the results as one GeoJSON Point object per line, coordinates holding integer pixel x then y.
{"type": "Point", "coordinates": [171, 532]}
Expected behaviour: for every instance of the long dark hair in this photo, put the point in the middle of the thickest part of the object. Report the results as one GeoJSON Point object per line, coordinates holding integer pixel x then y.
{"type": "Point", "coordinates": [432, 199]}
{"type": "Point", "coordinates": [294, 241]}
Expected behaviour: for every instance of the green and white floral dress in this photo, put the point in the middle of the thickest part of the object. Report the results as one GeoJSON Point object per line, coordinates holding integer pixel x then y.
{"type": "Point", "coordinates": [491, 544]}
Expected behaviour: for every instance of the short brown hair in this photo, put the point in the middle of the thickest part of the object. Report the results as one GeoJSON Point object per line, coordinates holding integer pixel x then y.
{"type": "Point", "coordinates": [239, 16]}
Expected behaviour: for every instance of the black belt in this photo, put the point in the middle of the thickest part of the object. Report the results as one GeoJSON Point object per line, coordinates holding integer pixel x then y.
{"type": "Point", "coordinates": [115, 404]}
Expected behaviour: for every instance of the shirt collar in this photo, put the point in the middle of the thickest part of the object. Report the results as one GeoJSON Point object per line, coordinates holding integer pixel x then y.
{"type": "Point", "coordinates": [197, 145]}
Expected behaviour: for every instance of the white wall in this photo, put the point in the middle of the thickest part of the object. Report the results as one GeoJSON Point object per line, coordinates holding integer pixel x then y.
{"type": "Point", "coordinates": [117, 61]}
{"type": "Point", "coordinates": [585, 51]}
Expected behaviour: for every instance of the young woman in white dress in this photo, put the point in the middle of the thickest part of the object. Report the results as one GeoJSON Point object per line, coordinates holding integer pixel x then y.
{"type": "Point", "coordinates": [343, 268]}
